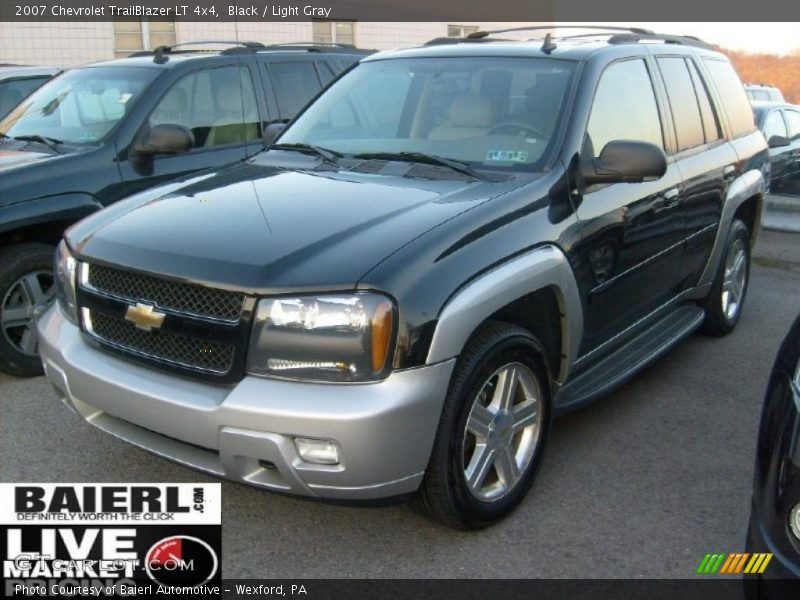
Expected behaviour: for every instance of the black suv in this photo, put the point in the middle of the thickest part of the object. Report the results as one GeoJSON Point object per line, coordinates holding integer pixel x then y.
{"type": "Point", "coordinates": [448, 247]}
{"type": "Point", "coordinates": [108, 130]}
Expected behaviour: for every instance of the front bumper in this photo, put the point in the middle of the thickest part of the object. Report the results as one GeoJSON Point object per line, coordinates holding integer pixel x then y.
{"type": "Point", "coordinates": [245, 432]}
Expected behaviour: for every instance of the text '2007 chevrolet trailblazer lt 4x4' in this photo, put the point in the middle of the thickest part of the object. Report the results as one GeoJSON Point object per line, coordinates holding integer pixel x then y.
{"type": "Point", "coordinates": [448, 247]}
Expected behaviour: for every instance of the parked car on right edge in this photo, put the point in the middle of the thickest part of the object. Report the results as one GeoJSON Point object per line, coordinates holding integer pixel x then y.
{"type": "Point", "coordinates": [762, 91]}
{"type": "Point", "coordinates": [780, 124]}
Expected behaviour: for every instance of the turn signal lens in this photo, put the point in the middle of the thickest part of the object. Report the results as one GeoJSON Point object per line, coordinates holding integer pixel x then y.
{"type": "Point", "coordinates": [381, 335]}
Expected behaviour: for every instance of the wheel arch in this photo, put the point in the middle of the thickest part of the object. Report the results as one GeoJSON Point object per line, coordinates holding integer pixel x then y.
{"type": "Point", "coordinates": [44, 219]}
{"type": "Point", "coordinates": [521, 291]}
{"type": "Point", "coordinates": [745, 200]}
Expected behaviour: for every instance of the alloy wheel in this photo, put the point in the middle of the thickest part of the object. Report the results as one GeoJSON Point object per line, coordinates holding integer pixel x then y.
{"type": "Point", "coordinates": [734, 279]}
{"type": "Point", "coordinates": [26, 301]}
{"type": "Point", "coordinates": [502, 432]}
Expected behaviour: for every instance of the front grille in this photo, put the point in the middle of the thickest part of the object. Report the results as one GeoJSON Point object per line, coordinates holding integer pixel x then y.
{"type": "Point", "coordinates": [162, 293]}
{"type": "Point", "coordinates": [204, 355]}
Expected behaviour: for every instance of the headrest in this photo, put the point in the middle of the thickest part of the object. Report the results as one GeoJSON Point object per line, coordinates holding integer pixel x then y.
{"type": "Point", "coordinates": [473, 110]}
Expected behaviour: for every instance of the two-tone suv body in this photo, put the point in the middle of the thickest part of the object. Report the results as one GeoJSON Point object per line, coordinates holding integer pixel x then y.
{"type": "Point", "coordinates": [448, 247]}
{"type": "Point", "coordinates": [103, 132]}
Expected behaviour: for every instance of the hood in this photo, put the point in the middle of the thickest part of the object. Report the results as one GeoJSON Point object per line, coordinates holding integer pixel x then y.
{"type": "Point", "coordinates": [10, 159]}
{"type": "Point", "coordinates": [262, 228]}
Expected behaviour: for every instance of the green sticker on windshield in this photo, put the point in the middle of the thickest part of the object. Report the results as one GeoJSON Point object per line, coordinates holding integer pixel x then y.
{"type": "Point", "coordinates": [515, 156]}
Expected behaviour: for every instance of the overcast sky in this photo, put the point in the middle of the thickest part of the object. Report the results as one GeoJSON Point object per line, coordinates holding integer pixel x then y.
{"type": "Point", "coordinates": [774, 38]}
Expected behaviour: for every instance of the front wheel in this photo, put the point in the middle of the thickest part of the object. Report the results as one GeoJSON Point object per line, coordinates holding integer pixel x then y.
{"type": "Point", "coordinates": [492, 431]}
{"type": "Point", "coordinates": [27, 289]}
{"type": "Point", "coordinates": [725, 301]}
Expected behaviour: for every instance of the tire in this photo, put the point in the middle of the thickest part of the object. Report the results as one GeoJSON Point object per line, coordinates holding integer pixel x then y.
{"type": "Point", "coordinates": [26, 290]}
{"type": "Point", "coordinates": [725, 301]}
{"type": "Point", "coordinates": [445, 494]}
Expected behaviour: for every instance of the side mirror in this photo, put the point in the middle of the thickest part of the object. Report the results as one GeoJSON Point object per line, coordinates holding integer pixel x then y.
{"type": "Point", "coordinates": [165, 139]}
{"type": "Point", "coordinates": [625, 161]}
{"type": "Point", "coordinates": [272, 131]}
{"type": "Point", "coordinates": [778, 141]}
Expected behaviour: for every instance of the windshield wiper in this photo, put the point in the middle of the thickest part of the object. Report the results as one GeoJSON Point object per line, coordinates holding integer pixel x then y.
{"type": "Point", "coordinates": [327, 155]}
{"type": "Point", "coordinates": [430, 159]}
{"type": "Point", "coordinates": [51, 143]}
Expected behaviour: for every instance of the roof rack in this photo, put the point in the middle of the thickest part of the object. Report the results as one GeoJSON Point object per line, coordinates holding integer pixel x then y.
{"type": "Point", "coordinates": [483, 34]}
{"type": "Point", "coordinates": [160, 52]}
{"type": "Point", "coordinates": [683, 40]}
{"type": "Point", "coordinates": [619, 35]}
{"type": "Point", "coordinates": [312, 45]}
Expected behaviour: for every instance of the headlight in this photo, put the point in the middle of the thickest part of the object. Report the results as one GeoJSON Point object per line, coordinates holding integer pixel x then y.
{"type": "Point", "coordinates": [327, 337]}
{"type": "Point", "coordinates": [65, 268]}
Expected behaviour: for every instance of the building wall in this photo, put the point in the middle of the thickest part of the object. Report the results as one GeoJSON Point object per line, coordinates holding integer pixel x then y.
{"type": "Point", "coordinates": [70, 44]}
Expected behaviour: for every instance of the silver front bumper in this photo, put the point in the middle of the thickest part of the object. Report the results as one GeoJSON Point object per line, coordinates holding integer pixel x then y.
{"type": "Point", "coordinates": [245, 432]}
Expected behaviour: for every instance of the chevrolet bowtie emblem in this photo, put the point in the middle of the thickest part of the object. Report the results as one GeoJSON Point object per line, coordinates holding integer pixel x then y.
{"type": "Point", "coordinates": [144, 316]}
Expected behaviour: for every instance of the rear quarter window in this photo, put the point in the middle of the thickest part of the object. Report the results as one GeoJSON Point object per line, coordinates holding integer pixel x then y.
{"type": "Point", "coordinates": [732, 95]}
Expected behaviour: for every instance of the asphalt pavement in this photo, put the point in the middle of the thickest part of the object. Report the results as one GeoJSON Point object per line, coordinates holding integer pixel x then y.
{"type": "Point", "coordinates": [643, 483]}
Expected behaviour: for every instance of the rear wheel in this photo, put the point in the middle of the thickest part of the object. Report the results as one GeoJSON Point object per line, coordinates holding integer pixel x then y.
{"type": "Point", "coordinates": [27, 289]}
{"type": "Point", "coordinates": [725, 301]}
{"type": "Point", "coordinates": [492, 431]}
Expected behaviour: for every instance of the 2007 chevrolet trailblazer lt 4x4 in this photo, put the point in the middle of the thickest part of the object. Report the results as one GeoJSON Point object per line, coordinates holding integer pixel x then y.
{"type": "Point", "coordinates": [448, 247]}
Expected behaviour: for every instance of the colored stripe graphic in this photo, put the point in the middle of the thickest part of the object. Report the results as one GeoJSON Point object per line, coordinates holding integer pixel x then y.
{"type": "Point", "coordinates": [734, 562]}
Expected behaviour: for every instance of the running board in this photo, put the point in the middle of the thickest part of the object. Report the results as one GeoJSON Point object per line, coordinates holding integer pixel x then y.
{"type": "Point", "coordinates": [629, 359]}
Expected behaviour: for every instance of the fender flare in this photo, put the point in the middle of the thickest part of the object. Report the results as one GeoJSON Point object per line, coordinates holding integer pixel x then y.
{"type": "Point", "coordinates": [61, 207]}
{"type": "Point", "coordinates": [747, 185]}
{"type": "Point", "coordinates": [543, 267]}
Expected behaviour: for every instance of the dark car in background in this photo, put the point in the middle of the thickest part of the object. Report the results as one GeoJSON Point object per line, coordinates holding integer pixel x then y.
{"type": "Point", "coordinates": [780, 123]}
{"type": "Point", "coordinates": [17, 82]}
{"type": "Point", "coordinates": [106, 131]}
{"type": "Point", "coordinates": [775, 517]}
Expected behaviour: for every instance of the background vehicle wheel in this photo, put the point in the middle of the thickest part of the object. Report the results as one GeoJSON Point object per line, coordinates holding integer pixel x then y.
{"type": "Point", "coordinates": [492, 431]}
{"type": "Point", "coordinates": [26, 290]}
{"type": "Point", "coordinates": [724, 303]}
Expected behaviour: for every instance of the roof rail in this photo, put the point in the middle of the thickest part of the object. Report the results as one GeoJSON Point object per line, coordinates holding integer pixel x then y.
{"type": "Point", "coordinates": [683, 40]}
{"type": "Point", "coordinates": [160, 52]}
{"type": "Point", "coordinates": [312, 45]}
{"type": "Point", "coordinates": [483, 34]}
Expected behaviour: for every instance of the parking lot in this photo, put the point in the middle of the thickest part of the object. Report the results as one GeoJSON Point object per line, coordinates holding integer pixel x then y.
{"type": "Point", "coordinates": [640, 484]}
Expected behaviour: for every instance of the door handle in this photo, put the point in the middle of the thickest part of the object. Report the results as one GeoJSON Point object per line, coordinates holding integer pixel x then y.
{"type": "Point", "coordinates": [728, 172]}
{"type": "Point", "coordinates": [671, 197]}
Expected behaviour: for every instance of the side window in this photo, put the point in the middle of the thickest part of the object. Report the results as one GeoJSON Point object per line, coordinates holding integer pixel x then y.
{"type": "Point", "coordinates": [325, 72]}
{"type": "Point", "coordinates": [624, 107]}
{"type": "Point", "coordinates": [295, 83]}
{"type": "Point", "coordinates": [683, 102]}
{"type": "Point", "coordinates": [13, 91]}
{"type": "Point", "coordinates": [793, 122]}
{"type": "Point", "coordinates": [711, 126]}
{"type": "Point", "coordinates": [774, 125]}
{"type": "Point", "coordinates": [218, 105]}
{"type": "Point", "coordinates": [732, 95]}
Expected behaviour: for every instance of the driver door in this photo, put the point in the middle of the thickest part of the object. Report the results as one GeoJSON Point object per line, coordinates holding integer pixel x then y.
{"type": "Point", "coordinates": [632, 233]}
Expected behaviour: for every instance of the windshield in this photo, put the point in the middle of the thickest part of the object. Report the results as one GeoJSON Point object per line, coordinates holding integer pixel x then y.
{"type": "Point", "coordinates": [80, 106]}
{"type": "Point", "coordinates": [486, 112]}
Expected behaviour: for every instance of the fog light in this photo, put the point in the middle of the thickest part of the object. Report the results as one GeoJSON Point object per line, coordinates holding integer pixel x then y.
{"type": "Point", "coordinates": [320, 452]}
{"type": "Point", "coordinates": [794, 521]}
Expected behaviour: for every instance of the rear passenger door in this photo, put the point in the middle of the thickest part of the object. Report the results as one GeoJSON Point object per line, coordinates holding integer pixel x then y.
{"type": "Point", "coordinates": [632, 232]}
{"type": "Point", "coordinates": [704, 160]}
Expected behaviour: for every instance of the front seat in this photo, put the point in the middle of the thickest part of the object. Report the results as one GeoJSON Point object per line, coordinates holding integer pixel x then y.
{"type": "Point", "coordinates": [543, 102]}
{"type": "Point", "coordinates": [471, 115]}
{"type": "Point", "coordinates": [230, 126]}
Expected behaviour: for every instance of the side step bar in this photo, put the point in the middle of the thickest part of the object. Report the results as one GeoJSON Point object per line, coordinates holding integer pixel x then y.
{"type": "Point", "coordinates": [629, 359]}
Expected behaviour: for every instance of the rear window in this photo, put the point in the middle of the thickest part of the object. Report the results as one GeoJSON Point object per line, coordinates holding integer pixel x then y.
{"type": "Point", "coordinates": [732, 94]}
{"type": "Point", "coordinates": [683, 102]}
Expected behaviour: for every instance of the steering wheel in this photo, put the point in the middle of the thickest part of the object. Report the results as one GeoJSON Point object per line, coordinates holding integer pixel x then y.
{"type": "Point", "coordinates": [519, 125]}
